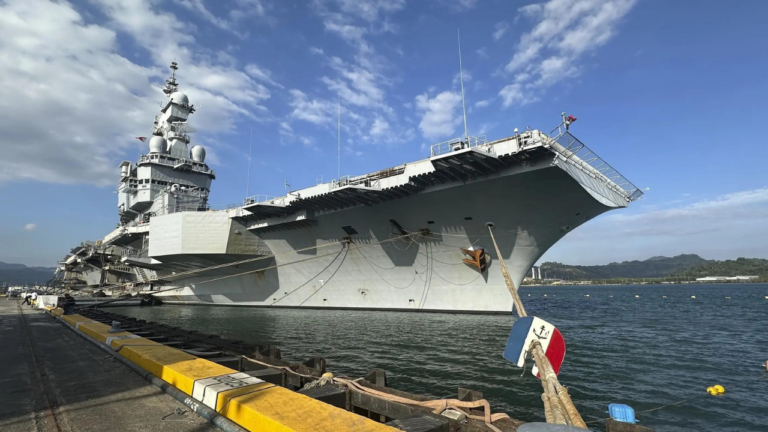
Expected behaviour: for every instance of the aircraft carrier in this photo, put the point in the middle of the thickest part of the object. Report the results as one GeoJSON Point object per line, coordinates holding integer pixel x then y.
{"type": "Point", "coordinates": [411, 237]}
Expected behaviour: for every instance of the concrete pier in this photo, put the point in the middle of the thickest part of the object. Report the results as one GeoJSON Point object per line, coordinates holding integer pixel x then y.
{"type": "Point", "coordinates": [53, 380]}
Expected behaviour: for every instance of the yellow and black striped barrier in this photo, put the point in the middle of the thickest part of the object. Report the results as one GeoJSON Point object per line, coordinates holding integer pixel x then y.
{"type": "Point", "coordinates": [247, 401]}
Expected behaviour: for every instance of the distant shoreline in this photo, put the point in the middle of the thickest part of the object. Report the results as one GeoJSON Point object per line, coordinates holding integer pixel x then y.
{"type": "Point", "coordinates": [591, 283]}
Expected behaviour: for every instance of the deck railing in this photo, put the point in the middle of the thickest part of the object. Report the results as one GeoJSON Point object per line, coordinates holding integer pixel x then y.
{"type": "Point", "coordinates": [574, 151]}
{"type": "Point", "coordinates": [264, 199]}
{"type": "Point", "coordinates": [457, 144]}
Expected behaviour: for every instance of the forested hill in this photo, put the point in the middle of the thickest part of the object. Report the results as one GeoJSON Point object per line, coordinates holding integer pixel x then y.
{"type": "Point", "coordinates": [20, 274]}
{"type": "Point", "coordinates": [653, 267]}
{"type": "Point", "coordinates": [737, 267]}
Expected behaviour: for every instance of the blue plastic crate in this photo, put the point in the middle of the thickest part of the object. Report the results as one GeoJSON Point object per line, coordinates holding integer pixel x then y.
{"type": "Point", "coordinates": [622, 413]}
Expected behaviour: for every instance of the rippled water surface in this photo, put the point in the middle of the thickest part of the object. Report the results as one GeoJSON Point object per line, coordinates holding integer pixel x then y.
{"type": "Point", "coordinates": [645, 352]}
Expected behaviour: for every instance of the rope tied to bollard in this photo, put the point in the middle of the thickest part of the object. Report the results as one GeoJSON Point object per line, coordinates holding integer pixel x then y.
{"type": "Point", "coordinates": [558, 406]}
{"type": "Point", "coordinates": [437, 406]}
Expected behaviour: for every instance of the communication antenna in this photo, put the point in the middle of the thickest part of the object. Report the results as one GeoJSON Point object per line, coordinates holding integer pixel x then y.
{"type": "Point", "coordinates": [461, 77]}
{"type": "Point", "coordinates": [248, 184]}
{"type": "Point", "coordinates": [338, 135]}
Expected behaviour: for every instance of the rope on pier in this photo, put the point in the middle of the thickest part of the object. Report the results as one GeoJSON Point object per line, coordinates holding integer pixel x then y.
{"type": "Point", "coordinates": [437, 405]}
{"type": "Point", "coordinates": [558, 406]}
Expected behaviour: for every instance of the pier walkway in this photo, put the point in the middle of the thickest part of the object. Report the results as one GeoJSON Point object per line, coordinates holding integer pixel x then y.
{"type": "Point", "coordinates": [53, 380]}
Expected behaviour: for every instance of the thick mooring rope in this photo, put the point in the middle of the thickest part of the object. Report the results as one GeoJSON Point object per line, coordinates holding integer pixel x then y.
{"type": "Point", "coordinates": [558, 406]}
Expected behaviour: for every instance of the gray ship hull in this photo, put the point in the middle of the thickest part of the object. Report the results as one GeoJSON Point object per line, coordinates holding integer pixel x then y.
{"type": "Point", "coordinates": [531, 211]}
{"type": "Point", "coordinates": [390, 240]}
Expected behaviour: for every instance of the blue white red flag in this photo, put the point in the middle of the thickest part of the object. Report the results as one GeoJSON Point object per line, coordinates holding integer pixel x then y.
{"type": "Point", "coordinates": [526, 330]}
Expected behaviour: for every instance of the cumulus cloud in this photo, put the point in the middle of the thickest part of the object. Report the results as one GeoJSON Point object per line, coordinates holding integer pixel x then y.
{"type": "Point", "coordinates": [379, 127]}
{"type": "Point", "coordinates": [30, 227]}
{"type": "Point", "coordinates": [721, 227]}
{"type": "Point", "coordinates": [261, 74]}
{"type": "Point", "coordinates": [315, 111]}
{"type": "Point", "coordinates": [244, 9]}
{"type": "Point", "coordinates": [60, 69]}
{"type": "Point", "coordinates": [483, 103]}
{"type": "Point", "coordinates": [500, 29]}
{"type": "Point", "coordinates": [441, 115]}
{"type": "Point", "coordinates": [370, 10]}
{"type": "Point", "coordinates": [459, 5]}
{"type": "Point", "coordinates": [563, 31]}
{"type": "Point", "coordinates": [359, 81]}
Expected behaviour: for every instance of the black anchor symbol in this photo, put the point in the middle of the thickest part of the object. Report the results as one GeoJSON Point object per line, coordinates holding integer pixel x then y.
{"type": "Point", "coordinates": [542, 333]}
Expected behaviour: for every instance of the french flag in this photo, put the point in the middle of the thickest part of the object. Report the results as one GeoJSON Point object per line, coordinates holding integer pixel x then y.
{"type": "Point", "coordinates": [526, 330]}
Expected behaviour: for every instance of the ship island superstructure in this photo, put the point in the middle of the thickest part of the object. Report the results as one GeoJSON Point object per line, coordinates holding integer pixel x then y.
{"type": "Point", "coordinates": [411, 237]}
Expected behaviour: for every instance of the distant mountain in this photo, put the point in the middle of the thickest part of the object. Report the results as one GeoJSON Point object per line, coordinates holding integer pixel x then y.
{"type": "Point", "coordinates": [658, 266]}
{"type": "Point", "coordinates": [21, 274]}
{"type": "Point", "coordinates": [737, 267]}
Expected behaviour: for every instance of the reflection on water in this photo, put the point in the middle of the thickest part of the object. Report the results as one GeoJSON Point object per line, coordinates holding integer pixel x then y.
{"type": "Point", "coordinates": [644, 352]}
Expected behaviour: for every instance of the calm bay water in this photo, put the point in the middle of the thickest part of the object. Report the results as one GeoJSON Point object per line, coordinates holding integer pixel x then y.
{"type": "Point", "coordinates": [644, 352]}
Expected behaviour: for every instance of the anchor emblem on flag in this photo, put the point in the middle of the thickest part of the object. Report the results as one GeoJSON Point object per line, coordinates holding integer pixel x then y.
{"type": "Point", "coordinates": [529, 329]}
{"type": "Point", "coordinates": [542, 334]}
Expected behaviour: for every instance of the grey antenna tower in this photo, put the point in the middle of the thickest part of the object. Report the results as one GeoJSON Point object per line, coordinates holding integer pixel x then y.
{"type": "Point", "coordinates": [248, 181]}
{"type": "Point", "coordinates": [461, 77]}
{"type": "Point", "coordinates": [338, 137]}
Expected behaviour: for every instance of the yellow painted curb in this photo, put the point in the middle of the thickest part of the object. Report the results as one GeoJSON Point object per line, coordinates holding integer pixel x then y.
{"type": "Point", "coordinates": [260, 406]}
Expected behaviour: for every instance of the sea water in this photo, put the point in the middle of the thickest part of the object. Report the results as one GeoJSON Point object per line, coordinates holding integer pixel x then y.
{"type": "Point", "coordinates": [644, 351]}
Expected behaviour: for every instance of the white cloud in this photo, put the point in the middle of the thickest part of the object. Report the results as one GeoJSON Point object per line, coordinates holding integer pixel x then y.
{"type": "Point", "coordinates": [563, 31]}
{"type": "Point", "coordinates": [64, 72]}
{"type": "Point", "coordinates": [312, 110]}
{"type": "Point", "coordinates": [286, 129]}
{"type": "Point", "coordinates": [531, 10]}
{"type": "Point", "coordinates": [261, 74]}
{"type": "Point", "coordinates": [30, 227]}
{"type": "Point", "coordinates": [355, 85]}
{"type": "Point", "coordinates": [222, 89]}
{"type": "Point", "coordinates": [441, 115]}
{"type": "Point", "coordinates": [360, 81]}
{"type": "Point", "coordinates": [483, 103]}
{"type": "Point", "coordinates": [369, 10]}
{"type": "Point", "coordinates": [61, 69]}
{"type": "Point", "coordinates": [500, 29]}
{"type": "Point", "coordinates": [511, 94]}
{"type": "Point", "coordinates": [199, 7]}
{"type": "Point", "coordinates": [723, 227]}
{"type": "Point", "coordinates": [380, 127]}
{"type": "Point", "coordinates": [248, 8]}
{"type": "Point", "coordinates": [243, 9]}
{"type": "Point", "coordinates": [467, 75]}
{"type": "Point", "coordinates": [459, 5]}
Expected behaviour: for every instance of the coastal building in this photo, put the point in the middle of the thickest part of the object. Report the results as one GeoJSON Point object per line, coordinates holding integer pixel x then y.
{"type": "Point", "coordinates": [725, 278]}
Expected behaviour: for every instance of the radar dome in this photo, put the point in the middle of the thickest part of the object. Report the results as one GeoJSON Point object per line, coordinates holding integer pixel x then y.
{"type": "Point", "coordinates": [179, 98]}
{"type": "Point", "coordinates": [157, 144]}
{"type": "Point", "coordinates": [198, 153]}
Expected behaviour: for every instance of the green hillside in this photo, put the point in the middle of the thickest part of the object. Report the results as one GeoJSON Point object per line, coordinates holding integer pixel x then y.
{"type": "Point", "coordinates": [737, 267]}
{"type": "Point", "coordinates": [653, 267]}
{"type": "Point", "coordinates": [19, 274]}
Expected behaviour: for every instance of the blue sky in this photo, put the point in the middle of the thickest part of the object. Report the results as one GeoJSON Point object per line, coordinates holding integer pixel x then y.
{"type": "Point", "coordinates": [670, 93]}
